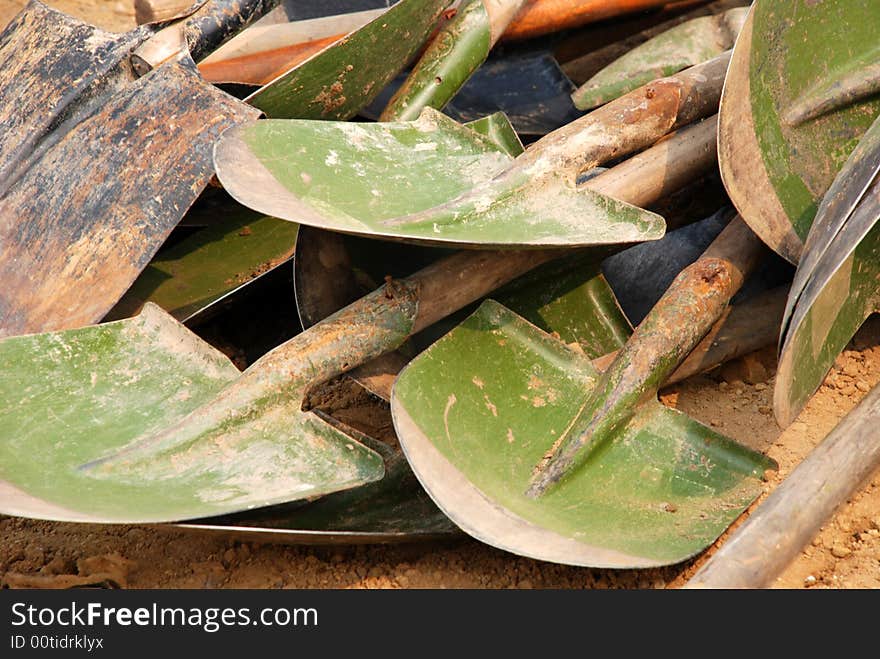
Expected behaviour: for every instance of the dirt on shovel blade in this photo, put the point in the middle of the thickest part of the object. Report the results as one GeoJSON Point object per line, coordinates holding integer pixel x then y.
{"type": "Point", "coordinates": [735, 399]}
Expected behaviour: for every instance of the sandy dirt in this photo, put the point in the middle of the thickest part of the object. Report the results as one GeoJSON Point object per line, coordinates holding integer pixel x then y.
{"type": "Point", "coordinates": [734, 400]}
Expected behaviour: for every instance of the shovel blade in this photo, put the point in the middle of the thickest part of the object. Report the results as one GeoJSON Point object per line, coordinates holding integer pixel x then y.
{"type": "Point", "coordinates": [216, 262]}
{"type": "Point", "coordinates": [87, 216]}
{"type": "Point", "coordinates": [662, 490]}
{"type": "Point", "coordinates": [69, 399]}
{"type": "Point", "coordinates": [776, 164]}
{"type": "Point", "coordinates": [49, 62]}
{"type": "Point", "coordinates": [394, 509]}
{"type": "Point", "coordinates": [674, 50]}
{"type": "Point", "coordinates": [347, 177]}
{"type": "Point", "coordinates": [346, 76]}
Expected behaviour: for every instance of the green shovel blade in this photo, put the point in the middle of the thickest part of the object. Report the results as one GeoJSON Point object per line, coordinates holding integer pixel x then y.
{"type": "Point", "coordinates": [476, 412]}
{"type": "Point", "coordinates": [800, 92]}
{"type": "Point", "coordinates": [430, 180]}
{"type": "Point", "coordinates": [694, 41]}
{"type": "Point", "coordinates": [67, 399]}
{"type": "Point", "coordinates": [210, 265]}
{"type": "Point", "coordinates": [345, 77]}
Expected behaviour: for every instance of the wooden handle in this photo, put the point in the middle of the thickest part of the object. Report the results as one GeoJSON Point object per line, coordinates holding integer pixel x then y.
{"type": "Point", "coordinates": [463, 277]}
{"type": "Point", "coordinates": [759, 550]}
{"type": "Point", "coordinates": [541, 17]}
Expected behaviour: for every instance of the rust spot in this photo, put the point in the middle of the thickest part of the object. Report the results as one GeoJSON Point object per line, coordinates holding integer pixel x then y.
{"type": "Point", "coordinates": [389, 291]}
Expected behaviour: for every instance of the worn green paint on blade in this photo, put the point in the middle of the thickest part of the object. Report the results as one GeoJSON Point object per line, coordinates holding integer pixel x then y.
{"type": "Point", "coordinates": [68, 398]}
{"type": "Point", "coordinates": [351, 171]}
{"type": "Point", "coordinates": [345, 77]}
{"type": "Point", "coordinates": [395, 508]}
{"type": "Point", "coordinates": [571, 299]}
{"type": "Point", "coordinates": [820, 41]}
{"type": "Point", "coordinates": [658, 493]}
{"type": "Point", "coordinates": [346, 176]}
{"type": "Point", "coordinates": [209, 265]}
{"type": "Point", "coordinates": [680, 47]}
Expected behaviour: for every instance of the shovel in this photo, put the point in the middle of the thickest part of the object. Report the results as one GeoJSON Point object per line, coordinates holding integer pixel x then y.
{"type": "Point", "coordinates": [835, 285]}
{"type": "Point", "coordinates": [117, 157]}
{"type": "Point", "coordinates": [786, 131]}
{"type": "Point", "coordinates": [349, 178]}
{"type": "Point", "coordinates": [685, 45]}
{"type": "Point", "coordinates": [140, 421]}
{"type": "Point", "coordinates": [652, 487]}
{"type": "Point", "coordinates": [191, 277]}
{"type": "Point", "coordinates": [786, 125]}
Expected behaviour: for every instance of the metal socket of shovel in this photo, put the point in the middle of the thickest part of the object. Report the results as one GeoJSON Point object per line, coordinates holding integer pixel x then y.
{"type": "Point", "coordinates": [140, 421]}
{"type": "Point", "coordinates": [91, 187]}
{"type": "Point", "coordinates": [347, 177]}
{"type": "Point", "coordinates": [786, 125]}
{"type": "Point", "coordinates": [547, 458]}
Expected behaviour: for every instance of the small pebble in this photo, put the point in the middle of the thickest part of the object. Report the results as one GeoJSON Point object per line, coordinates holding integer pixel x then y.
{"type": "Point", "coordinates": [765, 409]}
{"type": "Point", "coordinates": [861, 385]}
{"type": "Point", "coordinates": [722, 386]}
{"type": "Point", "coordinates": [810, 581]}
{"type": "Point", "coordinates": [760, 386]}
{"type": "Point", "coordinates": [839, 551]}
{"type": "Point", "coordinates": [715, 423]}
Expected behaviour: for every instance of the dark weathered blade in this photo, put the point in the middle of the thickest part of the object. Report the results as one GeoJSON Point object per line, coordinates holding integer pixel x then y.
{"type": "Point", "coordinates": [90, 212]}
{"type": "Point", "coordinates": [50, 66]}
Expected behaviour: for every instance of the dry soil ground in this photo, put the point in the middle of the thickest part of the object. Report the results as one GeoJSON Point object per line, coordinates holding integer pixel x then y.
{"type": "Point", "coordinates": [845, 554]}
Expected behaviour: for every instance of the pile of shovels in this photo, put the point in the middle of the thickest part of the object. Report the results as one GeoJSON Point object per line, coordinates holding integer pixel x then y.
{"type": "Point", "coordinates": [509, 222]}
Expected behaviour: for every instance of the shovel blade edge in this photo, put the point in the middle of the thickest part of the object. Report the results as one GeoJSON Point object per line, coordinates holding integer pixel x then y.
{"type": "Point", "coordinates": [70, 398]}
{"type": "Point", "coordinates": [659, 492]}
